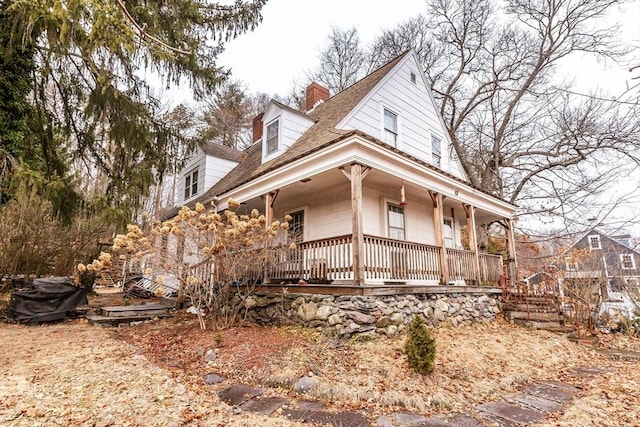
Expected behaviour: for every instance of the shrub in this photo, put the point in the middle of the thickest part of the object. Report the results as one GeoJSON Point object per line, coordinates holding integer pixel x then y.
{"type": "Point", "coordinates": [420, 347]}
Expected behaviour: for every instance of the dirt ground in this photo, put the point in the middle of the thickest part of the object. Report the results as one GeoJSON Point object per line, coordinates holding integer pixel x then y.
{"type": "Point", "coordinates": [152, 373]}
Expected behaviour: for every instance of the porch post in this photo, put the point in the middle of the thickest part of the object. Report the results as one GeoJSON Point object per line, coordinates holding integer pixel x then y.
{"type": "Point", "coordinates": [473, 240]}
{"type": "Point", "coordinates": [438, 215]}
{"type": "Point", "coordinates": [269, 198]}
{"type": "Point", "coordinates": [268, 208]}
{"type": "Point", "coordinates": [356, 223]}
{"type": "Point", "coordinates": [511, 251]}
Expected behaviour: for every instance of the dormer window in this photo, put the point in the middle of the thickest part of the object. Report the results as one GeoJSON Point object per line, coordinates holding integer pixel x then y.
{"type": "Point", "coordinates": [272, 136]}
{"type": "Point", "coordinates": [436, 151]}
{"type": "Point", "coordinates": [390, 127]}
{"type": "Point", "coordinates": [594, 242]}
{"type": "Point", "coordinates": [191, 184]}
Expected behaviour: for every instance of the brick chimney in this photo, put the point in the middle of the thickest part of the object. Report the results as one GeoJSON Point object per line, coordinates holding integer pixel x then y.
{"type": "Point", "coordinates": [315, 94]}
{"type": "Point", "coordinates": [257, 127]}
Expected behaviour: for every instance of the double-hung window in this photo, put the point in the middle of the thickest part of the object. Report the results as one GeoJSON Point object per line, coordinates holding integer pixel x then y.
{"type": "Point", "coordinates": [390, 127]}
{"type": "Point", "coordinates": [627, 262]}
{"type": "Point", "coordinates": [272, 137]}
{"type": "Point", "coordinates": [594, 242]}
{"type": "Point", "coordinates": [395, 220]}
{"type": "Point", "coordinates": [436, 151]}
{"type": "Point", "coordinates": [191, 184]}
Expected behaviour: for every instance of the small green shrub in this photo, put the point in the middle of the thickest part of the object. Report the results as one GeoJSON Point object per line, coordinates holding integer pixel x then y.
{"type": "Point", "coordinates": [420, 347]}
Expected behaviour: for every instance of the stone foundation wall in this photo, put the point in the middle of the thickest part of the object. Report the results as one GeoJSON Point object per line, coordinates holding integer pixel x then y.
{"type": "Point", "coordinates": [370, 315]}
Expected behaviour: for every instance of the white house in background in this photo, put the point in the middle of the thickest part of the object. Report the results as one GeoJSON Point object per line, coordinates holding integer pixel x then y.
{"type": "Point", "coordinates": [380, 202]}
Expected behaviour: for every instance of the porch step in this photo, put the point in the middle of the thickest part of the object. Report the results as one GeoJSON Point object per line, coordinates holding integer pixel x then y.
{"type": "Point", "coordinates": [543, 325]}
{"type": "Point", "coordinates": [532, 299]}
{"type": "Point", "coordinates": [535, 308]}
{"type": "Point", "coordinates": [534, 316]}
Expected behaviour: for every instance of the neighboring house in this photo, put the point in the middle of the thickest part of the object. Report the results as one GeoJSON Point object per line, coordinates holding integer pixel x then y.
{"type": "Point", "coordinates": [605, 267]}
{"type": "Point", "coordinates": [370, 177]}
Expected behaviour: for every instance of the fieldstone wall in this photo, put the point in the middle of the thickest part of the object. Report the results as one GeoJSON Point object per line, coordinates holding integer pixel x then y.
{"type": "Point", "coordinates": [370, 315]}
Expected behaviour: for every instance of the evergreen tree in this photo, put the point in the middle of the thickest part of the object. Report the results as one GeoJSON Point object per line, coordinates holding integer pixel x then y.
{"type": "Point", "coordinates": [92, 110]}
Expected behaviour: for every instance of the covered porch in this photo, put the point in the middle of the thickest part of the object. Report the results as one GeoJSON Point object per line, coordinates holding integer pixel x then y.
{"type": "Point", "coordinates": [345, 237]}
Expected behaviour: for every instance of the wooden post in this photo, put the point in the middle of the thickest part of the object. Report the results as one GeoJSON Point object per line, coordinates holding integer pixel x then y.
{"type": "Point", "coordinates": [269, 198]}
{"type": "Point", "coordinates": [356, 224]}
{"type": "Point", "coordinates": [438, 223]}
{"type": "Point", "coordinates": [473, 240]}
{"type": "Point", "coordinates": [511, 251]}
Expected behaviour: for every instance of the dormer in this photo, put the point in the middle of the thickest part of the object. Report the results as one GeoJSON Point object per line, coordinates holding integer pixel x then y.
{"type": "Point", "coordinates": [281, 126]}
{"type": "Point", "coordinates": [204, 168]}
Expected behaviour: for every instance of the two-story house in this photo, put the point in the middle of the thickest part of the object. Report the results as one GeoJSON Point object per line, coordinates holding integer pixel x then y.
{"type": "Point", "coordinates": [378, 197]}
{"type": "Point", "coordinates": [606, 267]}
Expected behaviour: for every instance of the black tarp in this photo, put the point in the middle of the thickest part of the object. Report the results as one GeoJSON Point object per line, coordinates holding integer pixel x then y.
{"type": "Point", "coordinates": [46, 299]}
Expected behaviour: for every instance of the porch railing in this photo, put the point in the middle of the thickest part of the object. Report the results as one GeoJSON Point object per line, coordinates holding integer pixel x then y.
{"type": "Point", "coordinates": [327, 260]}
{"type": "Point", "coordinates": [390, 259]}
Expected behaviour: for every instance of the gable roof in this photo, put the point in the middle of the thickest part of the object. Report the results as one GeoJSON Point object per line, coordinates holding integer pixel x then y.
{"type": "Point", "coordinates": [221, 151]}
{"type": "Point", "coordinates": [326, 116]}
{"type": "Point", "coordinates": [322, 133]}
{"type": "Point", "coordinates": [609, 239]}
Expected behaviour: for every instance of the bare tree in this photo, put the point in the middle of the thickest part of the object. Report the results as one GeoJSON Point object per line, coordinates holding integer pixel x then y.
{"type": "Point", "coordinates": [519, 132]}
{"type": "Point", "coordinates": [343, 61]}
{"type": "Point", "coordinates": [227, 117]}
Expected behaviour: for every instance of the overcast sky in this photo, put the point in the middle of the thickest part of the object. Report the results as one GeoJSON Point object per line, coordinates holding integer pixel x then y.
{"type": "Point", "coordinates": [286, 44]}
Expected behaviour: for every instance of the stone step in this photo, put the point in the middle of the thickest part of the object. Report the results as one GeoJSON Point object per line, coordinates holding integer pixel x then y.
{"type": "Point", "coordinates": [536, 308]}
{"type": "Point", "coordinates": [544, 325]}
{"type": "Point", "coordinates": [536, 316]}
{"type": "Point", "coordinates": [96, 319]}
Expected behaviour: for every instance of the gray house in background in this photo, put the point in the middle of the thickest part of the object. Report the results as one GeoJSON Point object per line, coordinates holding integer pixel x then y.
{"type": "Point", "coordinates": [607, 266]}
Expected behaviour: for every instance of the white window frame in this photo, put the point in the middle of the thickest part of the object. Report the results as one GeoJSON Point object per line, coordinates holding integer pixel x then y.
{"type": "Point", "coordinates": [304, 222]}
{"type": "Point", "coordinates": [436, 159]}
{"type": "Point", "coordinates": [453, 232]}
{"type": "Point", "coordinates": [191, 187]}
{"type": "Point", "coordinates": [388, 205]}
{"type": "Point", "coordinates": [395, 132]}
{"type": "Point", "coordinates": [571, 265]}
{"type": "Point", "coordinates": [596, 239]}
{"type": "Point", "coordinates": [270, 150]}
{"type": "Point", "coordinates": [631, 260]}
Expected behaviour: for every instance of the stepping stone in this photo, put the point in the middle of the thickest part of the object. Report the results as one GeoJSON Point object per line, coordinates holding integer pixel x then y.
{"type": "Point", "coordinates": [237, 394]}
{"type": "Point", "coordinates": [264, 405]}
{"type": "Point", "coordinates": [512, 413]}
{"type": "Point", "coordinates": [310, 404]}
{"type": "Point", "coordinates": [549, 393]}
{"type": "Point", "coordinates": [585, 372]}
{"type": "Point", "coordinates": [535, 402]}
{"type": "Point", "coordinates": [561, 386]}
{"type": "Point", "coordinates": [210, 379]}
{"type": "Point", "coordinates": [334, 419]}
{"type": "Point", "coordinates": [462, 420]}
{"type": "Point", "coordinates": [402, 419]}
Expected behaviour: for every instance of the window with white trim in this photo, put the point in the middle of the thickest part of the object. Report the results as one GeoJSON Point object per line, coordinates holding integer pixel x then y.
{"type": "Point", "coordinates": [395, 221]}
{"type": "Point", "coordinates": [296, 227]}
{"type": "Point", "coordinates": [390, 127]}
{"type": "Point", "coordinates": [594, 242]}
{"type": "Point", "coordinates": [436, 151]}
{"type": "Point", "coordinates": [572, 265]}
{"type": "Point", "coordinates": [273, 132]}
{"type": "Point", "coordinates": [627, 262]}
{"type": "Point", "coordinates": [191, 184]}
